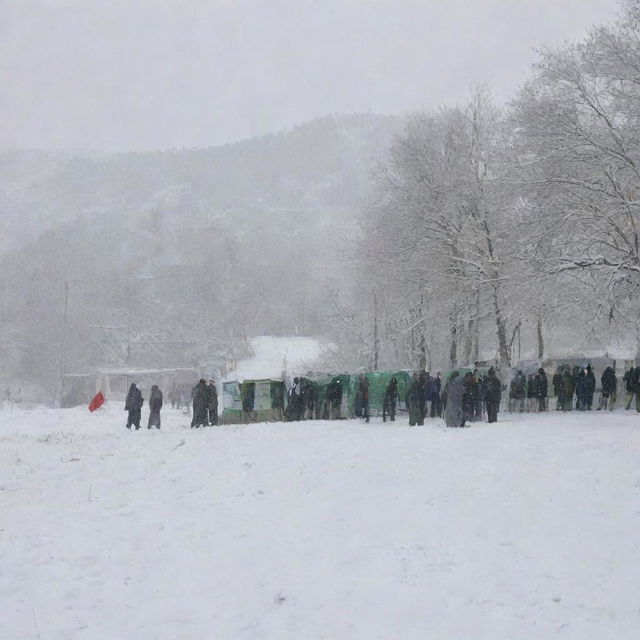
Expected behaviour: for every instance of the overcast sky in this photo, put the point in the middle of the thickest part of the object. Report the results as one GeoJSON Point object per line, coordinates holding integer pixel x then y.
{"type": "Point", "coordinates": [151, 74]}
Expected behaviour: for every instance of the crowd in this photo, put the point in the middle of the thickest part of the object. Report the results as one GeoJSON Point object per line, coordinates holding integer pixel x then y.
{"type": "Point", "coordinates": [574, 389]}
{"type": "Point", "coordinates": [464, 398]}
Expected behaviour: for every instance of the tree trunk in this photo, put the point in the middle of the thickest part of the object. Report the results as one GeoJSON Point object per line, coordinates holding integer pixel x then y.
{"type": "Point", "coordinates": [540, 338]}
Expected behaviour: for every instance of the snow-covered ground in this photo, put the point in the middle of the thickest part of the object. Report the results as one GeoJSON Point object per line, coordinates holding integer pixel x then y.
{"type": "Point", "coordinates": [526, 529]}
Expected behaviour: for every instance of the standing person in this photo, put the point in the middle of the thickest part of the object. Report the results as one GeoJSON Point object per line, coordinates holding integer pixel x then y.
{"type": "Point", "coordinates": [476, 396]}
{"type": "Point", "coordinates": [199, 396]}
{"type": "Point", "coordinates": [566, 389]}
{"type": "Point", "coordinates": [333, 400]}
{"type": "Point", "coordinates": [590, 387]}
{"type": "Point", "coordinates": [532, 392]}
{"type": "Point", "coordinates": [632, 381]}
{"type": "Point", "coordinates": [454, 391]}
{"type": "Point", "coordinates": [133, 404]}
{"type": "Point", "coordinates": [542, 388]}
{"type": "Point", "coordinates": [581, 390]}
{"type": "Point", "coordinates": [609, 383]}
{"type": "Point", "coordinates": [362, 398]}
{"type": "Point", "coordinates": [519, 386]}
{"type": "Point", "coordinates": [155, 404]}
{"type": "Point", "coordinates": [435, 397]}
{"type": "Point", "coordinates": [212, 403]}
{"type": "Point", "coordinates": [493, 391]}
{"type": "Point", "coordinates": [389, 401]}
{"type": "Point", "coordinates": [294, 400]}
{"type": "Point", "coordinates": [414, 401]}
{"type": "Point", "coordinates": [557, 386]}
{"type": "Point", "coordinates": [468, 396]}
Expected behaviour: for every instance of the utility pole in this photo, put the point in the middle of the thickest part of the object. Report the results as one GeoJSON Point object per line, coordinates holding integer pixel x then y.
{"type": "Point", "coordinates": [63, 342]}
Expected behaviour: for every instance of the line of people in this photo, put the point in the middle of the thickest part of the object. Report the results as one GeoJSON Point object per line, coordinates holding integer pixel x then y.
{"type": "Point", "coordinates": [574, 389]}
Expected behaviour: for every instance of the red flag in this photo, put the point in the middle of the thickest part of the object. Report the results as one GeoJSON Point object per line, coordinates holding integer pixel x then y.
{"type": "Point", "coordinates": [97, 402]}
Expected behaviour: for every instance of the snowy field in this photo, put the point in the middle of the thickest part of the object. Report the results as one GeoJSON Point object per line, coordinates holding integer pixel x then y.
{"type": "Point", "coordinates": [526, 529]}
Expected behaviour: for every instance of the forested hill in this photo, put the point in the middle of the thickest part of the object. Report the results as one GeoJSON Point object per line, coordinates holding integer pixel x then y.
{"type": "Point", "coordinates": [176, 258]}
{"type": "Point", "coordinates": [318, 164]}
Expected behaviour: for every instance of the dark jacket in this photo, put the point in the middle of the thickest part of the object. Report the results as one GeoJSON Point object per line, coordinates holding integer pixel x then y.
{"type": "Point", "coordinates": [454, 391]}
{"type": "Point", "coordinates": [542, 385]}
{"type": "Point", "coordinates": [518, 385]}
{"type": "Point", "coordinates": [155, 399]}
{"type": "Point", "coordinates": [631, 380]}
{"type": "Point", "coordinates": [493, 388]}
{"type": "Point", "coordinates": [134, 399]}
{"type": "Point", "coordinates": [609, 381]}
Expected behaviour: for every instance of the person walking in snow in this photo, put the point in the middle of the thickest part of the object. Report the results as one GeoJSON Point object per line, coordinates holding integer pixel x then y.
{"type": "Point", "coordinates": [212, 403]}
{"type": "Point", "coordinates": [133, 404]}
{"type": "Point", "coordinates": [199, 398]}
{"type": "Point", "coordinates": [609, 383]}
{"type": "Point", "coordinates": [155, 404]}
{"type": "Point", "coordinates": [493, 391]}
{"type": "Point", "coordinates": [390, 400]}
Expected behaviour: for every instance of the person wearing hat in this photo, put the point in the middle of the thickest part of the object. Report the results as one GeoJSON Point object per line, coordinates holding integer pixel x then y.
{"type": "Point", "coordinates": [133, 404]}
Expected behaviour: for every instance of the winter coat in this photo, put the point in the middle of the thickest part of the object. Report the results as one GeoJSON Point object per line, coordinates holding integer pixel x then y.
{"type": "Point", "coordinates": [542, 385]}
{"type": "Point", "coordinates": [199, 396]}
{"type": "Point", "coordinates": [590, 382]}
{"type": "Point", "coordinates": [391, 392]}
{"type": "Point", "coordinates": [532, 386]}
{"type": "Point", "coordinates": [155, 399]}
{"type": "Point", "coordinates": [609, 381]}
{"type": "Point", "coordinates": [566, 385]}
{"type": "Point", "coordinates": [433, 389]}
{"type": "Point", "coordinates": [454, 392]}
{"type": "Point", "coordinates": [518, 385]}
{"type": "Point", "coordinates": [631, 380]}
{"type": "Point", "coordinates": [134, 400]}
{"type": "Point", "coordinates": [493, 388]}
{"type": "Point", "coordinates": [212, 397]}
{"type": "Point", "coordinates": [581, 386]}
{"type": "Point", "coordinates": [557, 383]}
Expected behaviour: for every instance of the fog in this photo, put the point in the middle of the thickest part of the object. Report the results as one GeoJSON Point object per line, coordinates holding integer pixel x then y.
{"type": "Point", "coordinates": [177, 178]}
{"type": "Point", "coordinates": [156, 74]}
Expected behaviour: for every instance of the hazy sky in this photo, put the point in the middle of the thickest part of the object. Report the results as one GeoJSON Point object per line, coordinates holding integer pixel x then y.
{"type": "Point", "coordinates": [147, 74]}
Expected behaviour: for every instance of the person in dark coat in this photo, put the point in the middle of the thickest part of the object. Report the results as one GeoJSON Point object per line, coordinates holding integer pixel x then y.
{"type": "Point", "coordinates": [389, 401]}
{"type": "Point", "coordinates": [632, 387]}
{"type": "Point", "coordinates": [532, 393]}
{"type": "Point", "coordinates": [477, 393]}
{"type": "Point", "coordinates": [415, 400]}
{"type": "Point", "coordinates": [362, 398]}
{"type": "Point", "coordinates": [333, 400]}
{"type": "Point", "coordinates": [493, 391]}
{"type": "Point", "coordinates": [133, 404]}
{"type": "Point", "coordinates": [609, 383]}
{"type": "Point", "coordinates": [433, 395]}
{"type": "Point", "coordinates": [212, 403]}
{"type": "Point", "coordinates": [581, 390]}
{"type": "Point", "coordinates": [454, 391]}
{"type": "Point", "coordinates": [155, 404]}
{"type": "Point", "coordinates": [468, 396]}
{"type": "Point", "coordinates": [590, 387]}
{"type": "Point", "coordinates": [557, 385]}
{"type": "Point", "coordinates": [294, 400]}
{"type": "Point", "coordinates": [567, 387]}
{"type": "Point", "coordinates": [519, 383]}
{"type": "Point", "coordinates": [542, 388]}
{"type": "Point", "coordinates": [199, 397]}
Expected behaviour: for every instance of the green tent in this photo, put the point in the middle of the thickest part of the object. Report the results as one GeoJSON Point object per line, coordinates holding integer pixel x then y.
{"type": "Point", "coordinates": [252, 401]}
